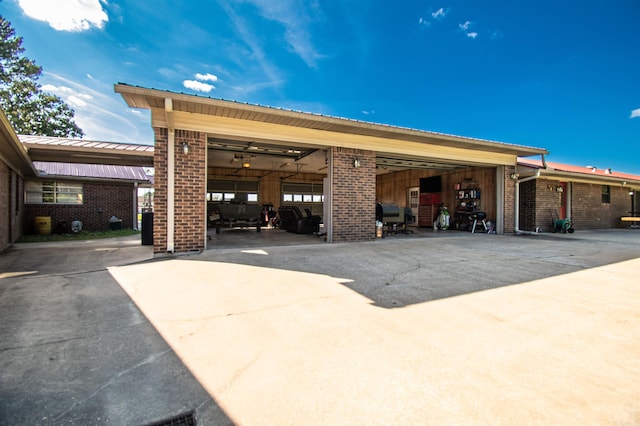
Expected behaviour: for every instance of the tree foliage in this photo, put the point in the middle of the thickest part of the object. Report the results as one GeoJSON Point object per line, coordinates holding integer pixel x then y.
{"type": "Point", "coordinates": [30, 110]}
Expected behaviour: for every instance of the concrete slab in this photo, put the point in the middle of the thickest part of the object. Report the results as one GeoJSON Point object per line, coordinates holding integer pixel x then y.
{"type": "Point", "coordinates": [74, 349]}
{"type": "Point", "coordinates": [482, 330]}
{"type": "Point", "coordinates": [443, 328]}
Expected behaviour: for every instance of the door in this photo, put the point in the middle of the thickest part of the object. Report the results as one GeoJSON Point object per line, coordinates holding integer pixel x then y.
{"type": "Point", "coordinates": [562, 188]}
{"type": "Point", "coordinates": [413, 201]}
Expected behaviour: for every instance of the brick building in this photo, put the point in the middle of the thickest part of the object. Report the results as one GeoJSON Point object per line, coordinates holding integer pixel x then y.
{"type": "Point", "coordinates": [15, 166]}
{"type": "Point", "coordinates": [207, 148]}
{"type": "Point", "coordinates": [90, 193]}
{"type": "Point", "coordinates": [591, 198]}
{"type": "Point", "coordinates": [211, 150]}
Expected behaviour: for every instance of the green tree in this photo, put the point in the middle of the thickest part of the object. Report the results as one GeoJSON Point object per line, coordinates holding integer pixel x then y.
{"type": "Point", "coordinates": [30, 110]}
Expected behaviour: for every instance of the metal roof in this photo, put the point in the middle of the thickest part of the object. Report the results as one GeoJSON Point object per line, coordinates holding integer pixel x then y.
{"type": "Point", "coordinates": [91, 171]}
{"type": "Point", "coordinates": [579, 172]}
{"type": "Point", "coordinates": [140, 97]}
{"type": "Point", "coordinates": [54, 149]}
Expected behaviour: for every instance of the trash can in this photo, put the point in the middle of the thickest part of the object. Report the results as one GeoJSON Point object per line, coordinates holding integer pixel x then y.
{"type": "Point", "coordinates": [147, 228]}
{"type": "Point", "coordinates": [42, 225]}
{"type": "Point", "coordinates": [115, 224]}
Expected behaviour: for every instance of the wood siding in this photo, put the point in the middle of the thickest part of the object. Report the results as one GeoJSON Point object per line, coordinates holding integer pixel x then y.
{"type": "Point", "coordinates": [392, 187]}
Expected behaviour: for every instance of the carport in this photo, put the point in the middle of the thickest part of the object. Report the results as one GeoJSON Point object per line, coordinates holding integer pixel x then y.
{"type": "Point", "coordinates": [203, 141]}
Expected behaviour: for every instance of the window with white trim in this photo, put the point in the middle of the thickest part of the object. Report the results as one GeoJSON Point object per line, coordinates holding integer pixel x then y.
{"type": "Point", "coordinates": [53, 192]}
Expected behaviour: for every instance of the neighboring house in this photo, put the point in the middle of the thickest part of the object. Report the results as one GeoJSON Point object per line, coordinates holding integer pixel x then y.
{"type": "Point", "coordinates": [15, 167]}
{"type": "Point", "coordinates": [80, 179]}
{"type": "Point", "coordinates": [592, 198]}
{"type": "Point", "coordinates": [63, 179]}
{"type": "Point", "coordinates": [90, 193]}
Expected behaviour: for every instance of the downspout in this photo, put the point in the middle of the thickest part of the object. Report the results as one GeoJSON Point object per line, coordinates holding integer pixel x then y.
{"type": "Point", "coordinates": [135, 206]}
{"type": "Point", "coordinates": [517, 201]}
{"type": "Point", "coordinates": [171, 136]}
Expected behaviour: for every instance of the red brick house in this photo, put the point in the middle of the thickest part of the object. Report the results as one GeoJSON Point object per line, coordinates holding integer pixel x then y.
{"type": "Point", "coordinates": [66, 179]}
{"type": "Point", "coordinates": [90, 193]}
{"type": "Point", "coordinates": [591, 198]}
{"type": "Point", "coordinates": [15, 166]}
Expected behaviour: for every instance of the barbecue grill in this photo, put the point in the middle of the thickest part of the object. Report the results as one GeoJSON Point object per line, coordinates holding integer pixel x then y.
{"type": "Point", "coordinates": [389, 215]}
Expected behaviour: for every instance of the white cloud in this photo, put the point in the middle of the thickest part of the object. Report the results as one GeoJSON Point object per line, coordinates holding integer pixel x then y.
{"type": "Point", "coordinates": [635, 113]}
{"type": "Point", "coordinates": [295, 16]}
{"type": "Point", "coordinates": [99, 112]}
{"type": "Point", "coordinates": [438, 14]}
{"type": "Point", "coordinates": [66, 15]}
{"type": "Point", "coordinates": [75, 99]}
{"type": "Point", "coordinates": [206, 77]}
{"type": "Point", "coordinates": [424, 22]}
{"type": "Point", "coordinates": [255, 50]}
{"type": "Point", "coordinates": [472, 35]}
{"type": "Point", "coordinates": [465, 26]}
{"type": "Point", "coordinates": [198, 86]}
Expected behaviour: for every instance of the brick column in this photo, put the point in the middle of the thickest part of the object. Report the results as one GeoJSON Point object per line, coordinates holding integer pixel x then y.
{"type": "Point", "coordinates": [160, 190]}
{"type": "Point", "coordinates": [190, 190]}
{"type": "Point", "coordinates": [509, 200]}
{"type": "Point", "coordinates": [190, 183]}
{"type": "Point", "coordinates": [353, 195]}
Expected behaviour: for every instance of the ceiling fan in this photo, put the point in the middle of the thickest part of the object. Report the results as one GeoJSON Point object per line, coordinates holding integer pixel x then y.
{"type": "Point", "coordinates": [244, 159]}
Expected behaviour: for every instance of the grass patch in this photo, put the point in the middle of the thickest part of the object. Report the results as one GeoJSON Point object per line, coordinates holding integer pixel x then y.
{"type": "Point", "coordinates": [83, 235]}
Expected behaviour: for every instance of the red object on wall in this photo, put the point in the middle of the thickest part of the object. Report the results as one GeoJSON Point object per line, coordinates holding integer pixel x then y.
{"type": "Point", "coordinates": [428, 208]}
{"type": "Point", "coordinates": [430, 198]}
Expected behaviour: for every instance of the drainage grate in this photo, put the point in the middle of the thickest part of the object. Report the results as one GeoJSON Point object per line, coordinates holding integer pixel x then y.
{"type": "Point", "coordinates": [185, 419]}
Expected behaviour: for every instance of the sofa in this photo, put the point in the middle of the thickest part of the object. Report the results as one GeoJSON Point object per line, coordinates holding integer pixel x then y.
{"type": "Point", "coordinates": [292, 220]}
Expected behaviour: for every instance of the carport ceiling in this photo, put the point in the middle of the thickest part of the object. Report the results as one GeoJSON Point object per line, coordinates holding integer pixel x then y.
{"type": "Point", "coordinates": [285, 158]}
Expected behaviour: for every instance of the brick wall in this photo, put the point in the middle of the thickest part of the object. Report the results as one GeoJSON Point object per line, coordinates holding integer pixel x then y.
{"type": "Point", "coordinates": [589, 212]}
{"type": "Point", "coordinates": [538, 204]}
{"type": "Point", "coordinates": [11, 206]}
{"type": "Point", "coordinates": [160, 190]}
{"type": "Point", "coordinates": [354, 195]}
{"type": "Point", "coordinates": [101, 200]}
{"type": "Point", "coordinates": [5, 216]}
{"type": "Point", "coordinates": [509, 200]}
{"type": "Point", "coordinates": [190, 190]}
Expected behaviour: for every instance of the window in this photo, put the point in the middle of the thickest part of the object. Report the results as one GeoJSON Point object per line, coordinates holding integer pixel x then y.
{"type": "Point", "coordinates": [52, 192]}
{"type": "Point", "coordinates": [606, 194]}
{"type": "Point", "coordinates": [226, 190]}
{"type": "Point", "coordinates": [308, 193]}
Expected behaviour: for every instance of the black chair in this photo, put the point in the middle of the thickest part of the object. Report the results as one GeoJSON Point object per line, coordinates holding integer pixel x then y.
{"type": "Point", "coordinates": [409, 219]}
{"type": "Point", "coordinates": [292, 220]}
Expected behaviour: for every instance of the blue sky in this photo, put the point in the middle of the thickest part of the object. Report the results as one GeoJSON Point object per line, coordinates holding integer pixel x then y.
{"type": "Point", "coordinates": [558, 74]}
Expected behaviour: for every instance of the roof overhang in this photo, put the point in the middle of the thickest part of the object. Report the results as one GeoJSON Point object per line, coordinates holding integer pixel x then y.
{"type": "Point", "coordinates": [228, 119]}
{"type": "Point", "coordinates": [552, 173]}
{"type": "Point", "coordinates": [67, 150]}
{"type": "Point", "coordinates": [12, 151]}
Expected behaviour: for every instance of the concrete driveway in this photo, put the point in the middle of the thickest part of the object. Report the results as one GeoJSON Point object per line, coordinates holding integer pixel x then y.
{"type": "Point", "coordinates": [449, 328]}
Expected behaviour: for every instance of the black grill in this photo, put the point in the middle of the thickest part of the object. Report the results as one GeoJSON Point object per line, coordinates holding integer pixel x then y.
{"type": "Point", "coordinates": [387, 213]}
